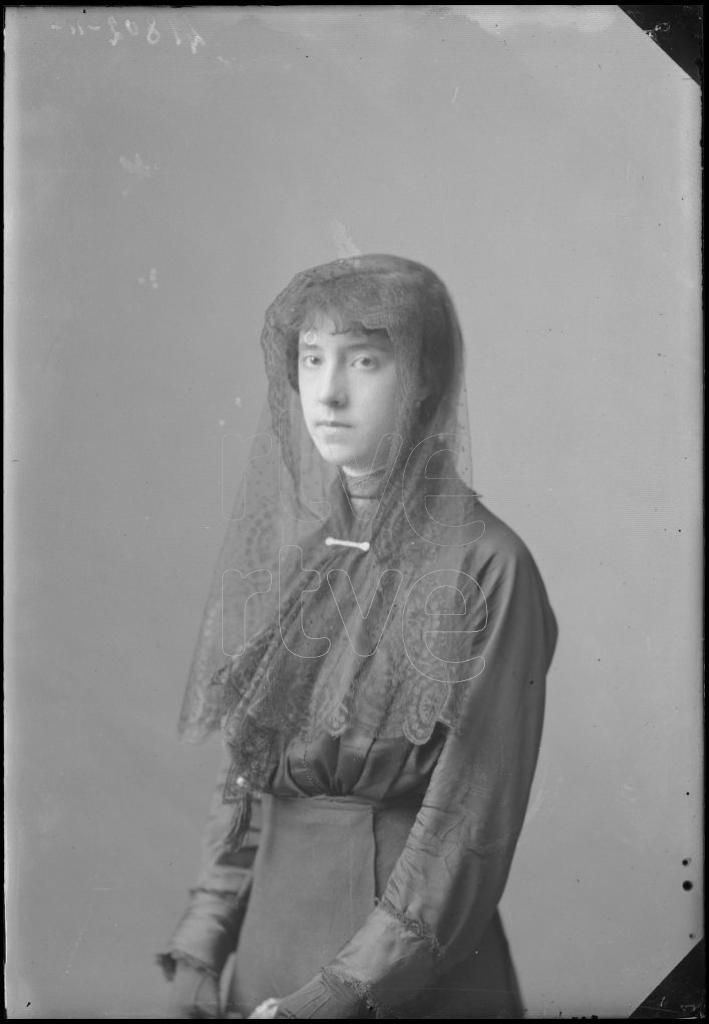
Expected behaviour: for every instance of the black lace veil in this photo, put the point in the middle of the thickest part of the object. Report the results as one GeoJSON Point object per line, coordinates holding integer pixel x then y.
{"type": "Point", "coordinates": [320, 615]}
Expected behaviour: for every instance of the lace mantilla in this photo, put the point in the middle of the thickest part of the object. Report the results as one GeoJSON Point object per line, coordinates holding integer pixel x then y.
{"type": "Point", "coordinates": [299, 635]}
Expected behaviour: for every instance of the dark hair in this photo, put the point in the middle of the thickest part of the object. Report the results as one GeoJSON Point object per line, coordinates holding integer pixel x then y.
{"type": "Point", "coordinates": [374, 293]}
{"type": "Point", "coordinates": [333, 299]}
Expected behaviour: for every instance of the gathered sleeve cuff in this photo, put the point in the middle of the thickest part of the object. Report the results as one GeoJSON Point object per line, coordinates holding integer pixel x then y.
{"type": "Point", "coordinates": [449, 878]}
{"type": "Point", "coordinates": [208, 931]}
{"type": "Point", "coordinates": [326, 997]}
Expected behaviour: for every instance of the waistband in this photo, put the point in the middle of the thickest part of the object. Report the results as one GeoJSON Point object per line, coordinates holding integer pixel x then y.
{"type": "Point", "coordinates": [325, 801]}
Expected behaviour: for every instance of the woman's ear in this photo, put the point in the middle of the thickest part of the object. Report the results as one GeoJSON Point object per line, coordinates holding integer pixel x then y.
{"type": "Point", "coordinates": [427, 378]}
{"type": "Point", "coordinates": [423, 390]}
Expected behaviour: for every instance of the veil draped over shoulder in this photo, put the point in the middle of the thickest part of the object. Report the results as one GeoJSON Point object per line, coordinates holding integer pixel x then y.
{"type": "Point", "coordinates": [302, 633]}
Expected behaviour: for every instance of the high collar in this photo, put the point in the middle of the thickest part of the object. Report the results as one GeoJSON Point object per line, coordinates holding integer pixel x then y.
{"type": "Point", "coordinates": [357, 504]}
{"type": "Point", "coordinates": [368, 486]}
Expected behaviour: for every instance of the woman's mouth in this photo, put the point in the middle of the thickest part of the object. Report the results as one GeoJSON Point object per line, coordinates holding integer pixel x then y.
{"type": "Point", "coordinates": [336, 425]}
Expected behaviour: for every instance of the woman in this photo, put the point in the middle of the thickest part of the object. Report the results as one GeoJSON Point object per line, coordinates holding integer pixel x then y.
{"type": "Point", "coordinates": [374, 650]}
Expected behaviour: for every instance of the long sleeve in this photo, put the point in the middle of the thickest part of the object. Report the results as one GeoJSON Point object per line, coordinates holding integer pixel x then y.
{"type": "Point", "coordinates": [209, 929]}
{"type": "Point", "coordinates": [449, 878]}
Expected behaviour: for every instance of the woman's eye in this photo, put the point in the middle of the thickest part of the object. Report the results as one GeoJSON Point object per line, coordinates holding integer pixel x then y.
{"type": "Point", "coordinates": [365, 362]}
{"type": "Point", "coordinates": [308, 359]}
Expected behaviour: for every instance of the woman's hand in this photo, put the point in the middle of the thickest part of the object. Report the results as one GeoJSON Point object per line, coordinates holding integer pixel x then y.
{"type": "Point", "coordinates": [265, 1011]}
{"type": "Point", "coordinates": [194, 993]}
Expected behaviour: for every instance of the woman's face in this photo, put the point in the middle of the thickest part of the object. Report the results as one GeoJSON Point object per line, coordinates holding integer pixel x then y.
{"type": "Point", "coordinates": [348, 391]}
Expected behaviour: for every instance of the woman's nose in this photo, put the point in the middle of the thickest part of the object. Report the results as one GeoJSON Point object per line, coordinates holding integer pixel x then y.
{"type": "Point", "coordinates": [332, 391]}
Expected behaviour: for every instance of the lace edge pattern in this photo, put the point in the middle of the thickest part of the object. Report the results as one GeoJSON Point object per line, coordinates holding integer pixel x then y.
{"type": "Point", "coordinates": [418, 929]}
{"type": "Point", "coordinates": [362, 991]}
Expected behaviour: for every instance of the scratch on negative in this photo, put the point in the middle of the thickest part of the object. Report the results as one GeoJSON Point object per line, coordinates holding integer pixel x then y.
{"type": "Point", "coordinates": [82, 933]}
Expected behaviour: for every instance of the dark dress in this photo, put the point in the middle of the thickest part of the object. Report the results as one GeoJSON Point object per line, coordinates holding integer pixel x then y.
{"type": "Point", "coordinates": [369, 883]}
{"type": "Point", "coordinates": [322, 863]}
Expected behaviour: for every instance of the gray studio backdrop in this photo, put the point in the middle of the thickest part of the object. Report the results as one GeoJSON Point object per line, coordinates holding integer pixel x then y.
{"type": "Point", "coordinates": [169, 171]}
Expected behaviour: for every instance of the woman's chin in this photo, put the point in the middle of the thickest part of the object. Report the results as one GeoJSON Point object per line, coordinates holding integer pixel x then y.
{"type": "Point", "coordinates": [348, 463]}
{"type": "Point", "coordinates": [339, 456]}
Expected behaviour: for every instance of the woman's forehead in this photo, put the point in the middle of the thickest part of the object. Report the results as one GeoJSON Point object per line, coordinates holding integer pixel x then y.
{"type": "Point", "coordinates": [326, 331]}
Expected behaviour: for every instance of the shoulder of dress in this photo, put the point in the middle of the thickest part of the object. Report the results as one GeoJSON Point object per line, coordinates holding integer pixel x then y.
{"type": "Point", "coordinates": [484, 544]}
{"type": "Point", "coordinates": [451, 529]}
{"type": "Point", "coordinates": [497, 542]}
